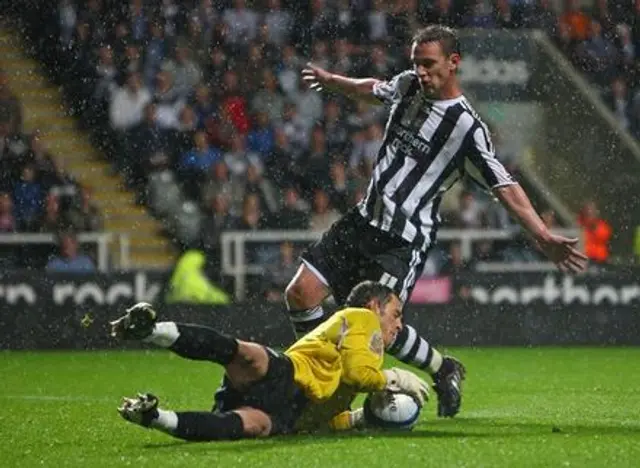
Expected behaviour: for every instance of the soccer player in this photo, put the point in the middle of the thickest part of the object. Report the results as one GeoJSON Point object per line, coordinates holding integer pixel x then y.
{"type": "Point", "coordinates": [309, 387]}
{"type": "Point", "coordinates": [433, 138]}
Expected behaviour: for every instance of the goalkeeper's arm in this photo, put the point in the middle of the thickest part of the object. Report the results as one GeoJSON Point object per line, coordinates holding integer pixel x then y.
{"type": "Point", "coordinates": [362, 360]}
{"type": "Point", "coordinates": [395, 380]}
{"type": "Point", "coordinates": [369, 379]}
{"type": "Point", "coordinates": [403, 381]}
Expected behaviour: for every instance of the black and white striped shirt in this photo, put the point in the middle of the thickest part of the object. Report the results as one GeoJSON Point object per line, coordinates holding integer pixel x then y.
{"type": "Point", "coordinates": [428, 146]}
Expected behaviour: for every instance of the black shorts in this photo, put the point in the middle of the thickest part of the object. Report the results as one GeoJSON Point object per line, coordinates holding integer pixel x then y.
{"type": "Point", "coordinates": [352, 251]}
{"type": "Point", "coordinates": [276, 394]}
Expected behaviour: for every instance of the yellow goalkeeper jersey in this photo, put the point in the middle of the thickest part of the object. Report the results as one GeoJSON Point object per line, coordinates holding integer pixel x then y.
{"type": "Point", "coordinates": [339, 359]}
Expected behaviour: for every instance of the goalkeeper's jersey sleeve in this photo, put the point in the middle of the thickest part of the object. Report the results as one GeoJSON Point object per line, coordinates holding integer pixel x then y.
{"type": "Point", "coordinates": [347, 349]}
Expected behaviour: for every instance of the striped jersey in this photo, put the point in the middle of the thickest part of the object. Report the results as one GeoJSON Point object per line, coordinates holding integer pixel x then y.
{"type": "Point", "coordinates": [428, 145]}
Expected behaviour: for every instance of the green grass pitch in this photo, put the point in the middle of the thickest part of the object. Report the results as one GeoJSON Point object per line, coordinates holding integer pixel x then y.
{"type": "Point", "coordinates": [523, 408]}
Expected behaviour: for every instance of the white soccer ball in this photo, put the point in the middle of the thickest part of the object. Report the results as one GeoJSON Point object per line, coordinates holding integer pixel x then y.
{"type": "Point", "coordinates": [391, 410]}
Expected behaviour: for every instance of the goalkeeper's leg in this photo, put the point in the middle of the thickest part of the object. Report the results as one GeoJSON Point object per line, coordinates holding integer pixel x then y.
{"type": "Point", "coordinates": [196, 425]}
{"type": "Point", "coordinates": [244, 362]}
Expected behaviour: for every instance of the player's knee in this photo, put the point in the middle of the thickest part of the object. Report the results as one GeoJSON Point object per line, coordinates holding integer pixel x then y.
{"type": "Point", "coordinates": [294, 295]}
{"type": "Point", "coordinates": [255, 423]}
{"type": "Point", "coordinates": [250, 364]}
{"type": "Point", "coordinates": [305, 290]}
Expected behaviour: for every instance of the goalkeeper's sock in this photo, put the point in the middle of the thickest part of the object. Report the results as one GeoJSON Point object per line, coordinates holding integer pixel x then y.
{"type": "Point", "coordinates": [411, 348]}
{"type": "Point", "coordinates": [307, 319]}
{"type": "Point", "coordinates": [164, 334]}
{"type": "Point", "coordinates": [194, 342]}
{"type": "Point", "coordinates": [165, 421]}
{"type": "Point", "coordinates": [204, 426]}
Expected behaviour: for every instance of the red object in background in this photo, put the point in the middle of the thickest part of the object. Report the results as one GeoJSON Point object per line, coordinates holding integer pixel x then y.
{"type": "Point", "coordinates": [597, 233]}
{"type": "Point", "coordinates": [576, 24]}
{"type": "Point", "coordinates": [432, 291]}
{"type": "Point", "coordinates": [235, 108]}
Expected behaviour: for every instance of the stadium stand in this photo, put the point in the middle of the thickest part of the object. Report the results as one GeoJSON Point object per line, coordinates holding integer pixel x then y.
{"type": "Point", "coordinates": [602, 41]}
{"type": "Point", "coordinates": [199, 105]}
{"type": "Point", "coordinates": [37, 194]}
{"type": "Point", "coordinates": [64, 162]}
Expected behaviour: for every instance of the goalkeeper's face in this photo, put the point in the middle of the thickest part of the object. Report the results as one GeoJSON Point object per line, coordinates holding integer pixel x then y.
{"type": "Point", "coordinates": [391, 320]}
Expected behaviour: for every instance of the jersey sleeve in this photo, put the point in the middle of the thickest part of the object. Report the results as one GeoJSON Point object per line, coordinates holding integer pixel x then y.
{"type": "Point", "coordinates": [362, 350]}
{"type": "Point", "coordinates": [481, 163]}
{"type": "Point", "coordinates": [392, 90]}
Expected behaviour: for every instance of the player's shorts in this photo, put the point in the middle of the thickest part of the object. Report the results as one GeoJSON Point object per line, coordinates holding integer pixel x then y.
{"type": "Point", "coordinates": [352, 251]}
{"type": "Point", "coordinates": [276, 394]}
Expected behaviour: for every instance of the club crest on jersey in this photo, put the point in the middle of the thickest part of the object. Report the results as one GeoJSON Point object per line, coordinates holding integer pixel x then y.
{"type": "Point", "coordinates": [377, 344]}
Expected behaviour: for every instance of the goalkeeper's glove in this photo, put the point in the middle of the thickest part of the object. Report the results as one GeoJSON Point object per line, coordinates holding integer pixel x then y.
{"type": "Point", "coordinates": [403, 381]}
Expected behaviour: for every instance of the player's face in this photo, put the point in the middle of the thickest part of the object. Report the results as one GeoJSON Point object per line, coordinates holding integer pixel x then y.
{"type": "Point", "coordinates": [434, 68]}
{"type": "Point", "coordinates": [391, 320]}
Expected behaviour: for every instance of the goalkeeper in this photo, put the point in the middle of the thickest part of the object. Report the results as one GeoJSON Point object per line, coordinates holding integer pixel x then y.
{"type": "Point", "coordinates": [307, 388]}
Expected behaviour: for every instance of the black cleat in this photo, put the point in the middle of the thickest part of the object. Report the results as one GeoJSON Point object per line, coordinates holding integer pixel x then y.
{"type": "Point", "coordinates": [136, 324]}
{"type": "Point", "coordinates": [447, 383]}
{"type": "Point", "coordinates": [141, 410]}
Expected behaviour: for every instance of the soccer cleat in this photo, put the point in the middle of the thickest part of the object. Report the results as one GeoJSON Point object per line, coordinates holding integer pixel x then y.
{"type": "Point", "coordinates": [447, 383]}
{"type": "Point", "coordinates": [136, 324]}
{"type": "Point", "coordinates": [141, 410]}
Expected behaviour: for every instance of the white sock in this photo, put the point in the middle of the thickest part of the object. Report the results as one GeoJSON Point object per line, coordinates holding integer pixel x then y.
{"type": "Point", "coordinates": [164, 334]}
{"type": "Point", "coordinates": [436, 361]}
{"type": "Point", "coordinates": [167, 421]}
{"type": "Point", "coordinates": [411, 348]}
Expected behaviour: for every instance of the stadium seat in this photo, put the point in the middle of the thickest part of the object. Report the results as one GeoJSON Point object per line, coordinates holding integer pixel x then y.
{"type": "Point", "coordinates": [187, 223]}
{"type": "Point", "coordinates": [165, 195]}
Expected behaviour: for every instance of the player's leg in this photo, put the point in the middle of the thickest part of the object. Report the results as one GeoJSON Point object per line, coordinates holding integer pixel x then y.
{"type": "Point", "coordinates": [196, 425]}
{"type": "Point", "coordinates": [304, 295]}
{"type": "Point", "coordinates": [268, 406]}
{"type": "Point", "coordinates": [324, 270]}
{"type": "Point", "coordinates": [446, 371]}
{"type": "Point", "coordinates": [399, 268]}
{"type": "Point", "coordinates": [244, 362]}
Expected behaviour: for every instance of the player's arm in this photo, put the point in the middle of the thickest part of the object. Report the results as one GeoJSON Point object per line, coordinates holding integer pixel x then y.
{"type": "Point", "coordinates": [362, 349]}
{"type": "Point", "coordinates": [356, 88]}
{"type": "Point", "coordinates": [371, 90]}
{"type": "Point", "coordinates": [559, 249]}
{"type": "Point", "coordinates": [516, 201]}
{"type": "Point", "coordinates": [484, 168]}
{"type": "Point", "coordinates": [361, 364]}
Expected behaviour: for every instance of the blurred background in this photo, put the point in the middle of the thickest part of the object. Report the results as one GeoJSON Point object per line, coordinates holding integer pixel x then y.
{"type": "Point", "coordinates": [176, 137]}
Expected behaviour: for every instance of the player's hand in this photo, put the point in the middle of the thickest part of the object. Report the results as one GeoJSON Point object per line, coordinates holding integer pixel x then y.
{"type": "Point", "coordinates": [563, 252]}
{"type": "Point", "coordinates": [315, 77]}
{"type": "Point", "coordinates": [404, 381]}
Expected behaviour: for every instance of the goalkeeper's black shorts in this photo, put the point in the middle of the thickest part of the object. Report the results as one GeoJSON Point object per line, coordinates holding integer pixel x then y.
{"type": "Point", "coordinates": [276, 394]}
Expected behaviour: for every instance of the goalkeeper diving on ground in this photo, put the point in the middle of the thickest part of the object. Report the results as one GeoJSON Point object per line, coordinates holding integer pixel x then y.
{"type": "Point", "coordinates": [308, 388]}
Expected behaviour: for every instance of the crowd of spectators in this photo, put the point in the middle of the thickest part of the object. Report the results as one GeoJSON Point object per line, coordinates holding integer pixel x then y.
{"type": "Point", "coordinates": [211, 91]}
{"type": "Point", "coordinates": [36, 194]}
{"type": "Point", "coordinates": [603, 41]}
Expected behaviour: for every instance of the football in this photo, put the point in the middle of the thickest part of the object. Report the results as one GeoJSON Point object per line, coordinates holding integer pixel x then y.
{"type": "Point", "coordinates": [391, 410]}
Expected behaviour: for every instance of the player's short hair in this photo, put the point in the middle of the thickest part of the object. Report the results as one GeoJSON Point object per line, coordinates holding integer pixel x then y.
{"type": "Point", "coordinates": [366, 291]}
{"type": "Point", "coordinates": [446, 36]}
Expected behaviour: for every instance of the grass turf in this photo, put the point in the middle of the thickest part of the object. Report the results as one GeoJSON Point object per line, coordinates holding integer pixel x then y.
{"type": "Point", "coordinates": [522, 407]}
